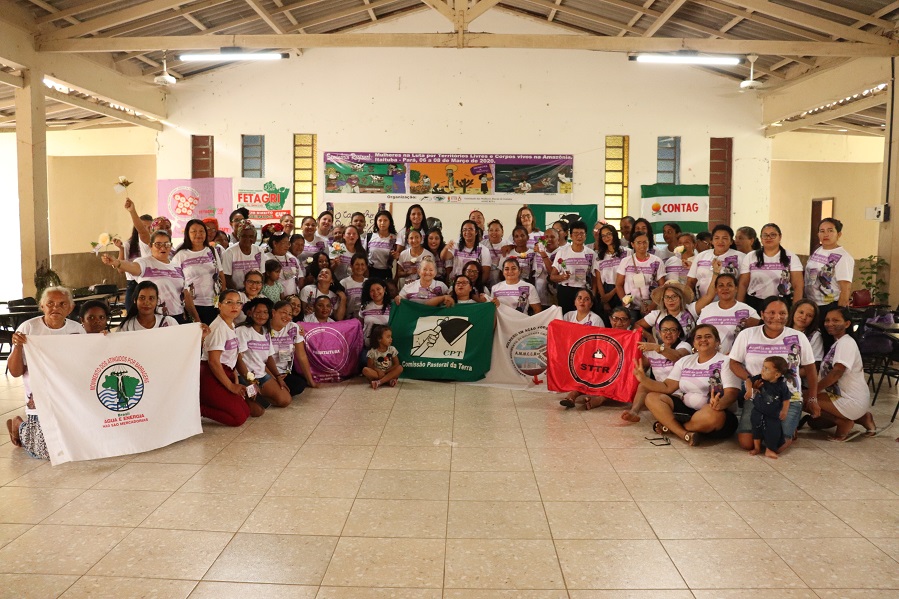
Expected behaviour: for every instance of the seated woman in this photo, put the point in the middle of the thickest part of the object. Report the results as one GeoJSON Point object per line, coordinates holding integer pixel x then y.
{"type": "Point", "coordinates": [620, 318]}
{"type": "Point", "coordinates": [222, 397]}
{"type": "Point", "coordinates": [94, 316]}
{"type": "Point", "coordinates": [325, 286]}
{"type": "Point", "coordinates": [689, 392]}
{"type": "Point", "coordinates": [583, 314]}
{"type": "Point", "coordinates": [513, 292]}
{"type": "Point", "coordinates": [426, 290]}
{"type": "Point", "coordinates": [672, 299]}
{"type": "Point", "coordinates": [660, 358]}
{"type": "Point", "coordinates": [253, 282]}
{"type": "Point", "coordinates": [463, 292]}
{"type": "Point", "coordinates": [56, 303]}
{"type": "Point", "coordinates": [727, 314]}
{"type": "Point", "coordinates": [843, 392]}
{"type": "Point", "coordinates": [321, 310]}
{"type": "Point", "coordinates": [289, 344]}
{"type": "Point", "coordinates": [142, 313]}
{"type": "Point", "coordinates": [258, 357]}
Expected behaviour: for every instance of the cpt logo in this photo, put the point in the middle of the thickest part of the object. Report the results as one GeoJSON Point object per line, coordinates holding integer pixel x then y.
{"type": "Point", "coordinates": [596, 360]}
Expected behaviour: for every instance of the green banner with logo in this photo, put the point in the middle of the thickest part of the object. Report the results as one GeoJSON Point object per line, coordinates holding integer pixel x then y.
{"type": "Point", "coordinates": [443, 343]}
{"type": "Point", "coordinates": [547, 214]}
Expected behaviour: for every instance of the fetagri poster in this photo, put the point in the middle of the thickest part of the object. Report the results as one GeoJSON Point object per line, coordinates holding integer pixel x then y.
{"type": "Point", "coordinates": [461, 178]}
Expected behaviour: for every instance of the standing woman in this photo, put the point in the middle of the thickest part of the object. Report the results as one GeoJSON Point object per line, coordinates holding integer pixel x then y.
{"type": "Point", "coordinates": [828, 272]}
{"type": "Point", "coordinates": [641, 225]}
{"type": "Point", "coordinates": [638, 275]}
{"type": "Point", "coordinates": [176, 297]}
{"type": "Point", "coordinates": [324, 227]}
{"type": "Point", "coordinates": [56, 303]}
{"type": "Point", "coordinates": [352, 285]}
{"type": "Point", "coordinates": [720, 259]}
{"type": "Point", "coordinates": [376, 302]}
{"type": "Point", "coordinates": [843, 392]}
{"type": "Point", "coordinates": [670, 233]}
{"type": "Point", "coordinates": [136, 246]}
{"type": "Point", "coordinates": [436, 245]}
{"type": "Point", "coordinates": [610, 252]}
{"type": "Point", "coordinates": [255, 337]}
{"type": "Point", "coordinates": [222, 397]}
{"type": "Point", "coordinates": [291, 269]}
{"type": "Point", "coordinates": [771, 270]}
{"type": "Point", "coordinates": [201, 268]}
{"type": "Point", "coordinates": [804, 318]}
{"type": "Point", "coordinates": [288, 223]}
{"type": "Point", "coordinates": [380, 246]}
{"type": "Point", "coordinates": [290, 348]}
{"type": "Point", "coordinates": [468, 249]}
{"type": "Point", "coordinates": [242, 257]}
{"type": "Point", "coordinates": [142, 315]}
{"type": "Point", "coordinates": [341, 259]}
{"type": "Point", "coordinates": [407, 263]}
{"type": "Point", "coordinates": [313, 244]}
{"type": "Point", "coordinates": [573, 267]}
{"type": "Point", "coordinates": [525, 218]}
{"type": "Point", "coordinates": [747, 240]}
{"type": "Point", "coordinates": [415, 219]}
{"type": "Point", "coordinates": [726, 314]}
{"type": "Point", "coordinates": [494, 243]}
{"type": "Point", "coordinates": [677, 267]}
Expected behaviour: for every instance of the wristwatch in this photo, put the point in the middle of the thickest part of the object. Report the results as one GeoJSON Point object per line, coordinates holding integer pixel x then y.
{"type": "Point", "coordinates": [661, 348]}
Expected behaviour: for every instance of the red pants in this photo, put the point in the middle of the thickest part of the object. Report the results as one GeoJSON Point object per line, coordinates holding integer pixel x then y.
{"type": "Point", "coordinates": [218, 403]}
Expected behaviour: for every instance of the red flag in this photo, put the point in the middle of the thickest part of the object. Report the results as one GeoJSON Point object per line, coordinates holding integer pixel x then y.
{"type": "Point", "coordinates": [592, 360]}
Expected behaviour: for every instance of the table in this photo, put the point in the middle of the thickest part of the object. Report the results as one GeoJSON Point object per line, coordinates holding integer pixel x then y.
{"type": "Point", "coordinates": [11, 319]}
{"type": "Point", "coordinates": [891, 331]}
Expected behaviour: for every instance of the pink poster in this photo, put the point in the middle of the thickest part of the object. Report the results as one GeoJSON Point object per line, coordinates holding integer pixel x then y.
{"type": "Point", "coordinates": [180, 200]}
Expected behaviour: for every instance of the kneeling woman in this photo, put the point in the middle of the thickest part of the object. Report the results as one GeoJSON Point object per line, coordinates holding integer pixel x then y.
{"type": "Point", "coordinates": [258, 356]}
{"type": "Point", "coordinates": [222, 397]}
{"type": "Point", "coordinates": [289, 345]}
{"type": "Point", "coordinates": [142, 313]}
{"type": "Point", "coordinates": [693, 390]}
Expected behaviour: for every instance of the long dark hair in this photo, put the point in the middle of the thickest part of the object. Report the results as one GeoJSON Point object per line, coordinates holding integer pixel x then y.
{"type": "Point", "coordinates": [650, 234]}
{"type": "Point", "coordinates": [751, 234]}
{"type": "Point", "coordinates": [391, 229]}
{"type": "Point", "coordinates": [314, 267]}
{"type": "Point", "coordinates": [616, 242]}
{"type": "Point", "coordinates": [760, 253]}
{"type": "Point", "coordinates": [477, 233]}
{"type": "Point", "coordinates": [453, 288]}
{"type": "Point", "coordinates": [259, 299]}
{"type": "Point", "coordinates": [134, 240]}
{"type": "Point", "coordinates": [730, 232]}
{"type": "Point", "coordinates": [186, 244]}
{"type": "Point", "coordinates": [132, 309]}
{"type": "Point", "coordinates": [424, 218]}
{"type": "Point", "coordinates": [478, 284]}
{"type": "Point", "coordinates": [813, 327]}
{"type": "Point", "coordinates": [439, 247]}
{"type": "Point", "coordinates": [366, 293]}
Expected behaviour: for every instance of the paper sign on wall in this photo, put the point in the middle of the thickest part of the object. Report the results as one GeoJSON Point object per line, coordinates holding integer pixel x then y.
{"type": "Point", "coordinates": [265, 198]}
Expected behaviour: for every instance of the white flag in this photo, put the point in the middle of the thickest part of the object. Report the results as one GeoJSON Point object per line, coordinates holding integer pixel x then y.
{"type": "Point", "coordinates": [99, 396]}
{"type": "Point", "coordinates": [519, 349]}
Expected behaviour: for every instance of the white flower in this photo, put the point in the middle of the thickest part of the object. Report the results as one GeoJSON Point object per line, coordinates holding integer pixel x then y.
{"type": "Point", "coordinates": [309, 260]}
{"type": "Point", "coordinates": [627, 300]}
{"type": "Point", "coordinates": [679, 250]}
{"type": "Point", "coordinates": [250, 377]}
{"type": "Point", "coordinates": [104, 239]}
{"type": "Point", "coordinates": [413, 260]}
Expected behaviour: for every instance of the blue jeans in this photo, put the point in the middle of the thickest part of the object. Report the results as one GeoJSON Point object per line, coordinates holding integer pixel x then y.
{"type": "Point", "coordinates": [794, 412]}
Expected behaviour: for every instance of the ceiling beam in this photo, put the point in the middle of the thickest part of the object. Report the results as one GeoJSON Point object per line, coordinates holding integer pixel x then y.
{"type": "Point", "coordinates": [112, 19]}
{"type": "Point", "coordinates": [13, 80]}
{"type": "Point", "coordinates": [828, 115]}
{"type": "Point", "coordinates": [633, 20]}
{"type": "Point", "coordinates": [71, 11]}
{"type": "Point", "coordinates": [441, 7]}
{"type": "Point", "coordinates": [347, 12]}
{"type": "Point", "coordinates": [762, 20]}
{"type": "Point", "coordinates": [472, 40]}
{"type": "Point", "coordinates": [553, 11]}
{"type": "Point", "coordinates": [587, 16]}
{"type": "Point", "coordinates": [257, 7]}
{"type": "Point", "coordinates": [663, 18]}
{"type": "Point", "coordinates": [371, 13]}
{"type": "Point", "coordinates": [852, 14]}
{"type": "Point", "coordinates": [480, 8]}
{"type": "Point", "coordinates": [161, 18]}
{"type": "Point", "coordinates": [875, 131]}
{"type": "Point", "coordinates": [816, 23]}
{"type": "Point", "coordinates": [101, 109]}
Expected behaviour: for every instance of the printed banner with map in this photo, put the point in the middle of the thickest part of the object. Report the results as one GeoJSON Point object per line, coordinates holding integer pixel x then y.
{"type": "Point", "coordinates": [463, 178]}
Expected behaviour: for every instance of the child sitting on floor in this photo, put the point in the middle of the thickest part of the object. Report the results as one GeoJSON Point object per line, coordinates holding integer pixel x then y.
{"type": "Point", "coordinates": [770, 400]}
{"type": "Point", "coordinates": [383, 359]}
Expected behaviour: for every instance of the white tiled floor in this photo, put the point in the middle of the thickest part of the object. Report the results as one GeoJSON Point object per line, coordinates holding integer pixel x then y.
{"type": "Point", "coordinates": [441, 490]}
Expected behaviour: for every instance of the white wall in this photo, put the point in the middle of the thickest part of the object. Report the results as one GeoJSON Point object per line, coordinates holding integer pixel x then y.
{"type": "Point", "coordinates": [474, 101]}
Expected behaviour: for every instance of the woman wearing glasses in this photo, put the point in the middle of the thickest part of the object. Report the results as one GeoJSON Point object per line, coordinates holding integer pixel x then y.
{"type": "Point", "coordinates": [174, 297]}
{"type": "Point", "coordinates": [770, 271]}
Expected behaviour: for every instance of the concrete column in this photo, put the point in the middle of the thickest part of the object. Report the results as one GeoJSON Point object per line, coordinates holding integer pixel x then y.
{"type": "Point", "coordinates": [31, 150]}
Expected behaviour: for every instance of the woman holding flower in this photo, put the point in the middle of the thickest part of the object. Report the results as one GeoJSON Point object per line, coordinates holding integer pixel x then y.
{"type": "Point", "coordinates": [342, 253]}
{"type": "Point", "coordinates": [522, 253]}
{"type": "Point", "coordinates": [407, 265]}
{"type": "Point", "coordinates": [291, 270]}
{"type": "Point", "coordinates": [638, 275]}
{"type": "Point", "coordinates": [175, 297]}
{"type": "Point", "coordinates": [677, 267]}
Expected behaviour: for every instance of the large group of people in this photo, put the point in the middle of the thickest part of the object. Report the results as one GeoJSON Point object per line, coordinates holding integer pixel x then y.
{"type": "Point", "coordinates": [715, 310]}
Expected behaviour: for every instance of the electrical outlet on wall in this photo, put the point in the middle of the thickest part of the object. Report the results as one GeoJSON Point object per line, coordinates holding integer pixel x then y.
{"type": "Point", "coordinates": [874, 213]}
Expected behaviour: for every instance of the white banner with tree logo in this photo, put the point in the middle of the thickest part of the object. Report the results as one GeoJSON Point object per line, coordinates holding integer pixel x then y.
{"type": "Point", "coordinates": [99, 396]}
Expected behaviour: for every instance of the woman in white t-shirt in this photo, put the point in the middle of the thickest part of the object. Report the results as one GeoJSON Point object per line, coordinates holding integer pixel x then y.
{"type": "Point", "coordinates": [325, 286]}
{"type": "Point", "coordinates": [426, 290]}
{"type": "Point", "coordinates": [749, 351]}
{"type": "Point", "coordinates": [289, 344]}
{"type": "Point", "coordinates": [242, 257]}
{"type": "Point", "coordinates": [135, 246]}
{"type": "Point", "coordinates": [222, 397]}
{"type": "Point", "coordinates": [291, 269]}
{"type": "Point", "coordinates": [175, 298]}
{"type": "Point", "coordinates": [804, 318]}
{"type": "Point", "coordinates": [352, 286]}
{"type": "Point", "coordinates": [727, 314]}
{"type": "Point", "coordinates": [583, 311]}
{"type": "Point", "coordinates": [494, 242]}
{"type": "Point", "coordinates": [609, 254]}
{"type": "Point", "coordinates": [513, 292]}
{"type": "Point", "coordinates": [376, 304]}
{"type": "Point", "coordinates": [415, 219]}
{"type": "Point", "coordinates": [843, 394]}
{"type": "Point", "coordinates": [467, 249]}
{"type": "Point", "coordinates": [721, 258]}
{"type": "Point", "coordinates": [380, 245]}
{"type": "Point", "coordinates": [342, 254]}
{"type": "Point", "coordinates": [258, 354]}
{"type": "Point", "coordinates": [142, 315]}
{"type": "Point", "coordinates": [410, 256]}
{"type": "Point", "coordinates": [770, 271]}
{"type": "Point", "coordinates": [56, 303]}
{"type": "Point", "coordinates": [828, 272]}
{"type": "Point", "coordinates": [677, 267]}
{"type": "Point", "coordinates": [693, 391]}
{"type": "Point", "coordinates": [638, 275]}
{"type": "Point", "coordinates": [660, 357]}
{"type": "Point", "coordinates": [672, 299]}
{"type": "Point", "coordinates": [573, 267]}
{"type": "Point", "coordinates": [201, 268]}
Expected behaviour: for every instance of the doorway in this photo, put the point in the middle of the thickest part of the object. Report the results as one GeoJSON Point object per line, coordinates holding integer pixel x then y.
{"type": "Point", "coordinates": [821, 208]}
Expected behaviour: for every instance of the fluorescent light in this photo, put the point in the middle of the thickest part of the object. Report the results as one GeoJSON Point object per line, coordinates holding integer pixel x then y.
{"type": "Point", "coordinates": [232, 55]}
{"type": "Point", "coordinates": [686, 59]}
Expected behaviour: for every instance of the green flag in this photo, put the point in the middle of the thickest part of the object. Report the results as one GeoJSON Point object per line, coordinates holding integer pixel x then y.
{"type": "Point", "coordinates": [686, 205]}
{"type": "Point", "coordinates": [547, 214]}
{"type": "Point", "coordinates": [443, 343]}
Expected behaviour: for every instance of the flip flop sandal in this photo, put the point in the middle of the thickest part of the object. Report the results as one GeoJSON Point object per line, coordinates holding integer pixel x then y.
{"type": "Point", "coordinates": [692, 439]}
{"type": "Point", "coordinates": [874, 432]}
{"type": "Point", "coordinates": [660, 429]}
{"type": "Point", "coordinates": [568, 403]}
{"type": "Point", "coordinates": [13, 433]}
{"type": "Point", "coordinates": [847, 437]}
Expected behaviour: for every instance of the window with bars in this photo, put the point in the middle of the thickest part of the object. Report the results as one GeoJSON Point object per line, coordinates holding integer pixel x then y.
{"type": "Point", "coordinates": [668, 160]}
{"type": "Point", "coordinates": [305, 173]}
{"type": "Point", "coordinates": [616, 168]}
{"type": "Point", "coordinates": [202, 152]}
{"type": "Point", "coordinates": [252, 155]}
